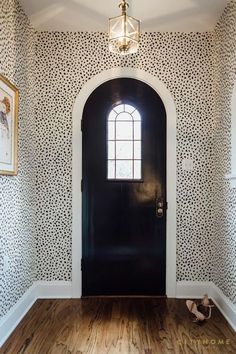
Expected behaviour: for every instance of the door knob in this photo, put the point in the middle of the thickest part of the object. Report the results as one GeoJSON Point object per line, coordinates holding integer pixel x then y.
{"type": "Point", "coordinates": [159, 207]}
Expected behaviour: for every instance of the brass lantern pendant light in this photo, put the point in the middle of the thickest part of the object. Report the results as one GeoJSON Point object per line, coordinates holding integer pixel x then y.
{"type": "Point", "coordinates": [124, 32]}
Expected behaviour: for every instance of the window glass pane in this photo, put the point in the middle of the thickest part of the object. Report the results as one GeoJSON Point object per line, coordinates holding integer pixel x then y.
{"type": "Point", "coordinates": [136, 115]}
{"type": "Point", "coordinates": [124, 130]}
{"type": "Point", "coordinates": [111, 169]}
{"type": "Point", "coordinates": [111, 131]}
{"type": "Point", "coordinates": [137, 130]}
{"type": "Point", "coordinates": [137, 150]}
{"type": "Point", "coordinates": [119, 108]}
{"type": "Point", "coordinates": [124, 150]}
{"type": "Point", "coordinates": [129, 109]}
{"type": "Point", "coordinates": [124, 169]}
{"type": "Point", "coordinates": [124, 116]}
{"type": "Point", "coordinates": [111, 150]}
{"type": "Point", "coordinates": [137, 169]}
{"type": "Point", "coordinates": [112, 115]}
{"type": "Point", "coordinates": [124, 143]}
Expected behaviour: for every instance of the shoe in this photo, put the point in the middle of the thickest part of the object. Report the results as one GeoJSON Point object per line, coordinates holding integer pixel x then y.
{"type": "Point", "coordinates": [205, 301]}
{"type": "Point", "coordinates": [205, 307]}
{"type": "Point", "coordinates": [205, 310]}
{"type": "Point", "coordinates": [192, 306]}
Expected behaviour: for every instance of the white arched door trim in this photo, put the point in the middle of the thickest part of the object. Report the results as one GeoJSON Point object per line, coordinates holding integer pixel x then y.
{"type": "Point", "coordinates": [169, 104]}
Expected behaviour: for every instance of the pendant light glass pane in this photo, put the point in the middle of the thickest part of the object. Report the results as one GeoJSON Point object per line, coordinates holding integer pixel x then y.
{"type": "Point", "coordinates": [124, 34]}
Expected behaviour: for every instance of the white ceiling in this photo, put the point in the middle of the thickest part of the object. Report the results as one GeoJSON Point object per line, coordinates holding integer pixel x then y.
{"type": "Point", "coordinates": [155, 15]}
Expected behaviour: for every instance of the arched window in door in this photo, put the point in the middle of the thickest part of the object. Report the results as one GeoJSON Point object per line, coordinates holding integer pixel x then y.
{"type": "Point", "coordinates": [124, 143]}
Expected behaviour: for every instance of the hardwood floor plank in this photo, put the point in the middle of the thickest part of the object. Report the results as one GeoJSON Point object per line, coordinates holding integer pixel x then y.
{"type": "Point", "coordinates": [118, 326]}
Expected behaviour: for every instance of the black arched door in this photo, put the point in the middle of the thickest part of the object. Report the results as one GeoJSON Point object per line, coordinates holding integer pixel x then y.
{"type": "Point", "coordinates": [124, 191]}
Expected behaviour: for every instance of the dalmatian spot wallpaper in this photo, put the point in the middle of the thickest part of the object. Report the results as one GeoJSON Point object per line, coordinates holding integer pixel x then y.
{"type": "Point", "coordinates": [50, 68]}
{"type": "Point", "coordinates": [184, 63]}
{"type": "Point", "coordinates": [224, 272]}
{"type": "Point", "coordinates": [17, 193]}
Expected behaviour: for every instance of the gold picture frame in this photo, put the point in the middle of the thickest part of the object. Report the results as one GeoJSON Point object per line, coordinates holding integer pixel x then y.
{"type": "Point", "coordinates": [9, 105]}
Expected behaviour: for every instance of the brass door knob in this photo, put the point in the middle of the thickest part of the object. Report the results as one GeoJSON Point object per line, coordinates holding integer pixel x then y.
{"type": "Point", "coordinates": [159, 207]}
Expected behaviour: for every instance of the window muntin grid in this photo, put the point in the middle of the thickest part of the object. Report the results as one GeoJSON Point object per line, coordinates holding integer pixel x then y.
{"type": "Point", "coordinates": [124, 143]}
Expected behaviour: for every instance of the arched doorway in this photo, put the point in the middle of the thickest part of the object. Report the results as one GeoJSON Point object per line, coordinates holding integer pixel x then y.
{"type": "Point", "coordinates": [166, 97]}
{"type": "Point", "coordinates": [124, 191]}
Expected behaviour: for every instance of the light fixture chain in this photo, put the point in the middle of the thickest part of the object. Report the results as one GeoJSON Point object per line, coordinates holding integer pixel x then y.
{"type": "Point", "coordinates": [124, 6]}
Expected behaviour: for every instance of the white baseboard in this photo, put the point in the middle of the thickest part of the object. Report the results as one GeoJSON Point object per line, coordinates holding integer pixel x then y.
{"type": "Point", "coordinates": [226, 307]}
{"type": "Point", "coordinates": [195, 290]}
{"type": "Point", "coordinates": [54, 289]}
{"type": "Point", "coordinates": [39, 290]}
{"type": "Point", "coordinates": [192, 289]}
{"type": "Point", "coordinates": [9, 322]}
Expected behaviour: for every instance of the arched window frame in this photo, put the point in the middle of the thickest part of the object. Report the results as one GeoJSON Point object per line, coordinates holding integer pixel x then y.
{"type": "Point", "coordinates": [232, 175]}
{"type": "Point", "coordinates": [122, 114]}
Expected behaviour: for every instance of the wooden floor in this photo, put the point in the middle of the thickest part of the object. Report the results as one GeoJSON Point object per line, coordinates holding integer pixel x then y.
{"type": "Point", "coordinates": [118, 325]}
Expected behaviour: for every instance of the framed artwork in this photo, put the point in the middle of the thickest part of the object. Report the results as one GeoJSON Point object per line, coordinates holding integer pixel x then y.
{"type": "Point", "coordinates": [9, 101]}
